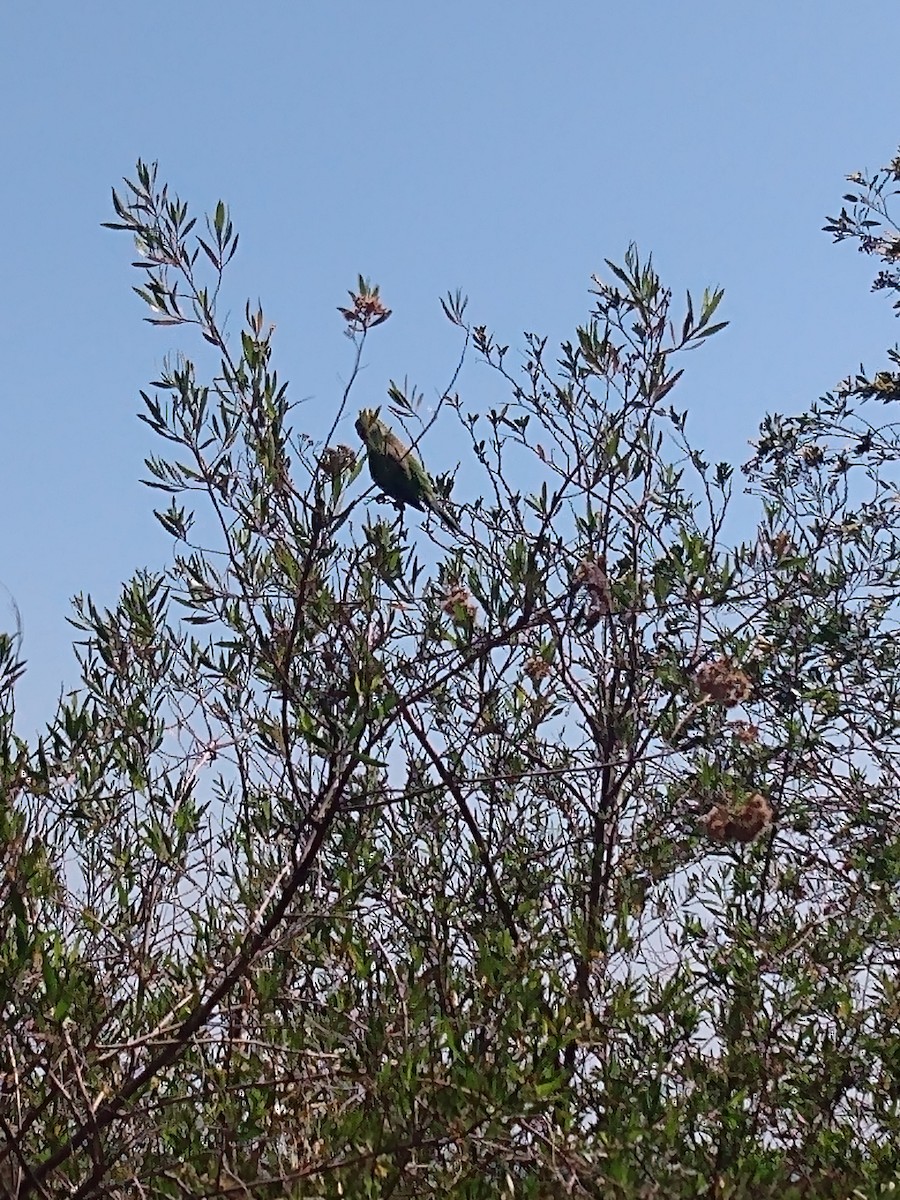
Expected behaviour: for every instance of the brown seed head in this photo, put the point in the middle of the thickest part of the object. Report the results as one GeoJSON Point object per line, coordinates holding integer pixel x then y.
{"type": "Point", "coordinates": [459, 605]}
{"type": "Point", "coordinates": [536, 668]}
{"type": "Point", "coordinates": [337, 459]}
{"type": "Point", "coordinates": [741, 822]}
{"type": "Point", "coordinates": [744, 731]}
{"type": "Point", "coordinates": [366, 312]}
{"type": "Point", "coordinates": [752, 817]}
{"type": "Point", "coordinates": [722, 681]}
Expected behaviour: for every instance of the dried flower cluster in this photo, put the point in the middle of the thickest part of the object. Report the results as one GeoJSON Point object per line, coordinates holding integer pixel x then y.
{"type": "Point", "coordinates": [738, 822]}
{"type": "Point", "coordinates": [458, 604]}
{"type": "Point", "coordinates": [367, 309]}
{"type": "Point", "coordinates": [336, 459]}
{"type": "Point", "coordinates": [813, 455]}
{"type": "Point", "coordinates": [723, 682]}
{"type": "Point", "coordinates": [536, 668]}
{"type": "Point", "coordinates": [744, 731]}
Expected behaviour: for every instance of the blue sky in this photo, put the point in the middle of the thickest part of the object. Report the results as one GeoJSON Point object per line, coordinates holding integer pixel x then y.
{"type": "Point", "coordinates": [502, 148]}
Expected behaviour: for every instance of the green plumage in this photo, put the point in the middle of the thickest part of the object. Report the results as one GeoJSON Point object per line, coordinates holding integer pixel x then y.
{"type": "Point", "coordinates": [397, 471]}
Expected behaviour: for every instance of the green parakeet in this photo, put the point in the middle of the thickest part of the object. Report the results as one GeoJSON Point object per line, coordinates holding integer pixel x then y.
{"type": "Point", "coordinates": [397, 471]}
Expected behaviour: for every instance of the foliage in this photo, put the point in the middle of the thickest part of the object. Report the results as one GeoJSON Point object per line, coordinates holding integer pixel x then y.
{"type": "Point", "coordinates": [554, 858]}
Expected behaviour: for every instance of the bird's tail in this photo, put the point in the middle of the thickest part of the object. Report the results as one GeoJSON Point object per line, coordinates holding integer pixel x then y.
{"type": "Point", "coordinates": [440, 509]}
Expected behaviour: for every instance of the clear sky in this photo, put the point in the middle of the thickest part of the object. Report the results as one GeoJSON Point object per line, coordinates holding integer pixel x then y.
{"type": "Point", "coordinates": [502, 148]}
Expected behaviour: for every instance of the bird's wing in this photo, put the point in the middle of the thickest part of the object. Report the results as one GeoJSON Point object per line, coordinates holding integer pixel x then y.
{"type": "Point", "coordinates": [430, 499]}
{"type": "Point", "coordinates": [418, 475]}
{"type": "Point", "coordinates": [389, 464]}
